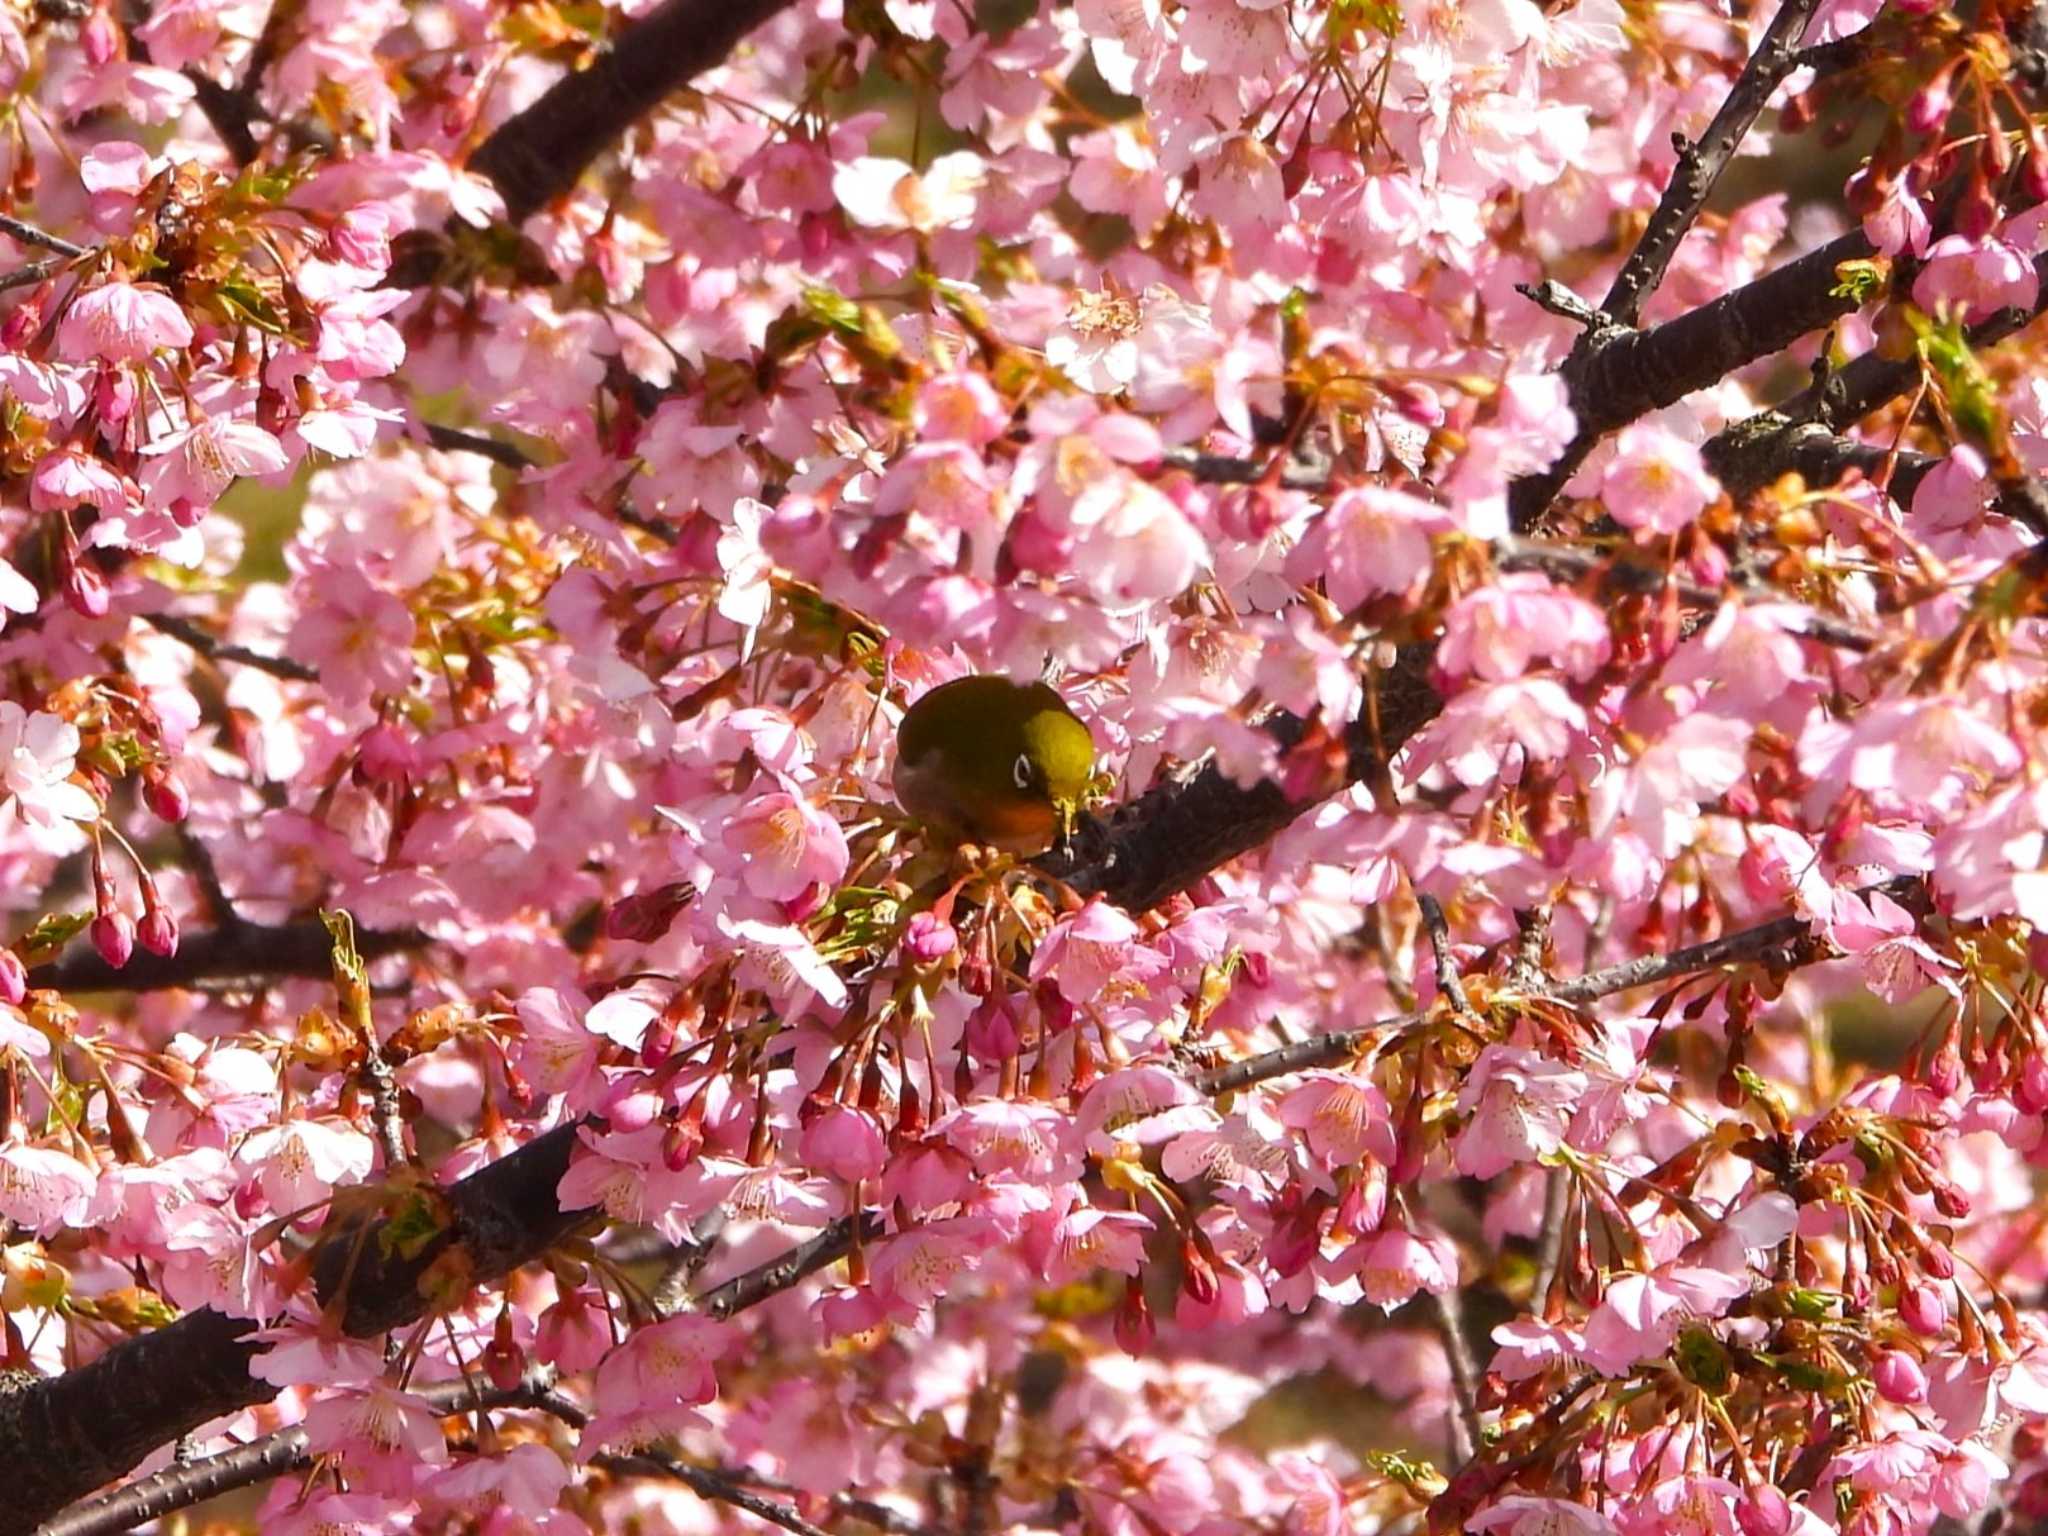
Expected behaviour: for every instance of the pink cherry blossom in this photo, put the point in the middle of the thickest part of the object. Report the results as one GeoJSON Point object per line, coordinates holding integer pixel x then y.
{"type": "Point", "coordinates": [121, 322]}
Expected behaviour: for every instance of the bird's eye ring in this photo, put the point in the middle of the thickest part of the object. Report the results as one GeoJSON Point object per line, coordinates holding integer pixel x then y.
{"type": "Point", "coordinates": [1020, 771]}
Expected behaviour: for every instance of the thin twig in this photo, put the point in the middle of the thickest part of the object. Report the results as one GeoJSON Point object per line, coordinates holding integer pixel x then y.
{"type": "Point", "coordinates": [793, 1268]}
{"type": "Point", "coordinates": [1775, 940]}
{"type": "Point", "coordinates": [1701, 162]}
{"type": "Point", "coordinates": [707, 1484]}
{"type": "Point", "coordinates": [1440, 950]}
{"type": "Point", "coordinates": [1465, 1429]}
{"type": "Point", "coordinates": [206, 875]}
{"type": "Point", "coordinates": [34, 272]}
{"type": "Point", "coordinates": [28, 234]}
{"type": "Point", "coordinates": [187, 633]}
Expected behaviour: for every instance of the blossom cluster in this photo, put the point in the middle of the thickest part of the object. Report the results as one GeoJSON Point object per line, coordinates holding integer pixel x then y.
{"type": "Point", "coordinates": [542, 588]}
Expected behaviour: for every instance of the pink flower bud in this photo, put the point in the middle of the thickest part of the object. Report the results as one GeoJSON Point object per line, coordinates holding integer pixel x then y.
{"type": "Point", "coordinates": [928, 937]}
{"type": "Point", "coordinates": [1930, 106]}
{"type": "Point", "coordinates": [1898, 1377]}
{"type": "Point", "coordinates": [13, 978]}
{"type": "Point", "coordinates": [113, 935]}
{"type": "Point", "coordinates": [504, 1361]}
{"type": "Point", "coordinates": [100, 39]}
{"type": "Point", "coordinates": [1763, 1511]}
{"type": "Point", "coordinates": [86, 591]}
{"type": "Point", "coordinates": [1923, 1309]}
{"type": "Point", "coordinates": [992, 1033]}
{"type": "Point", "coordinates": [1945, 1072]}
{"type": "Point", "coordinates": [158, 931]}
{"type": "Point", "coordinates": [2032, 1095]}
{"type": "Point", "coordinates": [1198, 1275]}
{"type": "Point", "coordinates": [21, 324]}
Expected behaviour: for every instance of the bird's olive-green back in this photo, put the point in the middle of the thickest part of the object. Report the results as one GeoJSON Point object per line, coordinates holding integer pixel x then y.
{"type": "Point", "coordinates": [981, 725]}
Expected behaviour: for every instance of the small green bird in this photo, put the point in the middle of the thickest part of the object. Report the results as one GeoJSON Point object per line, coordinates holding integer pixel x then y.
{"type": "Point", "coordinates": [986, 760]}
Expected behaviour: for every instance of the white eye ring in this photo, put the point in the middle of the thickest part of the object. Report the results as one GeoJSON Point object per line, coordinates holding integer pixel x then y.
{"type": "Point", "coordinates": [1020, 771]}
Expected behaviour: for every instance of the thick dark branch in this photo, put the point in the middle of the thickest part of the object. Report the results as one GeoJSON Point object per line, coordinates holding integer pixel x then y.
{"type": "Point", "coordinates": [1872, 382]}
{"type": "Point", "coordinates": [1181, 829]}
{"type": "Point", "coordinates": [64, 1437]}
{"type": "Point", "coordinates": [240, 952]}
{"type": "Point", "coordinates": [1700, 164]}
{"type": "Point", "coordinates": [536, 156]}
{"type": "Point", "coordinates": [1612, 573]}
{"type": "Point", "coordinates": [194, 1482]}
{"type": "Point", "coordinates": [68, 1435]}
{"type": "Point", "coordinates": [1619, 375]}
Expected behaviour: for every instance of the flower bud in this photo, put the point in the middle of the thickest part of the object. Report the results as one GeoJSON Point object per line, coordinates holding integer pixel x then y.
{"type": "Point", "coordinates": [158, 931]}
{"type": "Point", "coordinates": [1763, 1511]}
{"type": "Point", "coordinates": [1976, 212]}
{"type": "Point", "coordinates": [23, 321]}
{"type": "Point", "coordinates": [504, 1360]}
{"type": "Point", "coordinates": [165, 795]}
{"type": "Point", "coordinates": [1898, 1377]}
{"type": "Point", "coordinates": [928, 937]}
{"type": "Point", "coordinates": [85, 589]}
{"type": "Point", "coordinates": [13, 978]}
{"type": "Point", "coordinates": [1945, 1072]}
{"type": "Point", "coordinates": [1198, 1275]}
{"type": "Point", "coordinates": [1923, 1309]}
{"type": "Point", "coordinates": [1930, 106]}
{"type": "Point", "coordinates": [113, 935]}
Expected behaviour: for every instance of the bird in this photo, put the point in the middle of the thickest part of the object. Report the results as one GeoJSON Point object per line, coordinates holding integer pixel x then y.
{"type": "Point", "coordinates": [986, 760]}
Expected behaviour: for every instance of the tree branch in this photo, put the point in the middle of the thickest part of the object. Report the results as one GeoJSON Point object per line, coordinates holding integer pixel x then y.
{"type": "Point", "coordinates": [63, 1437]}
{"type": "Point", "coordinates": [188, 633]}
{"type": "Point", "coordinates": [1700, 164]}
{"type": "Point", "coordinates": [193, 1482]}
{"type": "Point", "coordinates": [1617, 375]}
{"type": "Point", "coordinates": [72, 1433]}
{"type": "Point", "coordinates": [537, 155]}
{"type": "Point", "coordinates": [241, 951]}
{"type": "Point", "coordinates": [28, 234]}
{"type": "Point", "coordinates": [1782, 941]}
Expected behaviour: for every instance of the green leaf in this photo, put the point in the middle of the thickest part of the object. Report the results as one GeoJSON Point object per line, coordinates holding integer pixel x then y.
{"type": "Point", "coordinates": [244, 301]}
{"type": "Point", "coordinates": [51, 933]}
